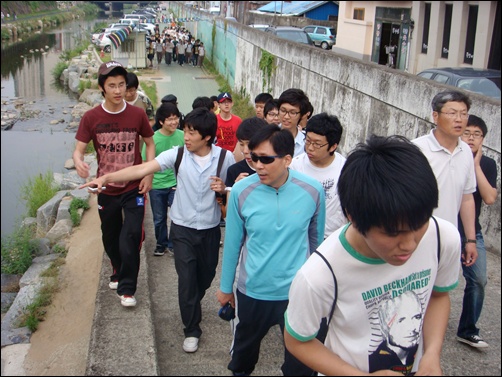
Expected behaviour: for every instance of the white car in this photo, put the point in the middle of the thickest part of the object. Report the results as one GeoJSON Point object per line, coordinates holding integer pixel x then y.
{"type": "Point", "coordinates": [148, 26]}
{"type": "Point", "coordinates": [104, 43]}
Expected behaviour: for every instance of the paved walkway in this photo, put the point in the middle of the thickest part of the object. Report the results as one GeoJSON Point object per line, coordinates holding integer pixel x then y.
{"type": "Point", "coordinates": [185, 82]}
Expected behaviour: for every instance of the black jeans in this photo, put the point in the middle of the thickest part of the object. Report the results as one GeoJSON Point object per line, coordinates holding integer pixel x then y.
{"type": "Point", "coordinates": [122, 234]}
{"type": "Point", "coordinates": [256, 317]}
{"type": "Point", "coordinates": [196, 254]}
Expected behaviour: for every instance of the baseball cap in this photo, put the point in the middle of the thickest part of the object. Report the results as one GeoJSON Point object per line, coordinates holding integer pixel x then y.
{"type": "Point", "coordinates": [169, 98]}
{"type": "Point", "coordinates": [107, 67]}
{"type": "Point", "coordinates": [223, 96]}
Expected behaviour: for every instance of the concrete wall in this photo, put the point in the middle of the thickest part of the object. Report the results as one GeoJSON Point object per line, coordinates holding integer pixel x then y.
{"type": "Point", "coordinates": [367, 97]}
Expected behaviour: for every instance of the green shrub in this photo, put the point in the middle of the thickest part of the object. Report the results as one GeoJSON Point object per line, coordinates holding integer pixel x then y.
{"type": "Point", "coordinates": [37, 192]}
{"type": "Point", "coordinates": [17, 251]}
{"type": "Point", "coordinates": [57, 71]}
{"type": "Point", "coordinates": [74, 206]}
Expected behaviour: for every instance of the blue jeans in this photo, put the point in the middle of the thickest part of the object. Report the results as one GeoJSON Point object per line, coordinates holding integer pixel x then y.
{"type": "Point", "coordinates": [474, 292]}
{"type": "Point", "coordinates": [160, 200]}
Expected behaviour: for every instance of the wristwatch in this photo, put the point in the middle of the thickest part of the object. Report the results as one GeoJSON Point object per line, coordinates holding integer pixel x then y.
{"type": "Point", "coordinates": [470, 241]}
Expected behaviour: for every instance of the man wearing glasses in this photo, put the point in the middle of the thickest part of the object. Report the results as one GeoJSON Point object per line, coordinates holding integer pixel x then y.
{"type": "Point", "coordinates": [322, 162]}
{"type": "Point", "coordinates": [275, 220]}
{"type": "Point", "coordinates": [475, 275]}
{"type": "Point", "coordinates": [293, 105]}
{"type": "Point", "coordinates": [453, 165]}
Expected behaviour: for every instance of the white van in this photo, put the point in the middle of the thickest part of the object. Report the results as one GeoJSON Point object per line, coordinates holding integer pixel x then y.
{"type": "Point", "coordinates": [141, 17]}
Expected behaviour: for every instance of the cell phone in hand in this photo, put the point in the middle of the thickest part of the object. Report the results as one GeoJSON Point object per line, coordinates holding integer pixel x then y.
{"type": "Point", "coordinates": [95, 189]}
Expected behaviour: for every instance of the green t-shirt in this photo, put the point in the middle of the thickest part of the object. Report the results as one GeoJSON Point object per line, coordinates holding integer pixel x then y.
{"type": "Point", "coordinates": [166, 178]}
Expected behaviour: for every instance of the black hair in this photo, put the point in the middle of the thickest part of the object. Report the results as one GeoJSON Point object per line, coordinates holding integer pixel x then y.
{"type": "Point", "coordinates": [166, 110]}
{"type": "Point", "coordinates": [202, 102]}
{"type": "Point", "coordinates": [440, 99]}
{"type": "Point", "coordinates": [214, 98]}
{"type": "Point", "coordinates": [263, 97]}
{"type": "Point", "coordinates": [310, 111]}
{"type": "Point", "coordinates": [282, 140]}
{"type": "Point", "coordinates": [326, 125]}
{"type": "Point", "coordinates": [132, 80]}
{"type": "Point", "coordinates": [270, 105]}
{"type": "Point", "coordinates": [203, 121]}
{"type": "Point", "coordinates": [248, 128]}
{"type": "Point", "coordinates": [295, 97]}
{"type": "Point", "coordinates": [387, 182]}
{"type": "Point", "coordinates": [477, 122]}
{"type": "Point", "coordinates": [117, 71]}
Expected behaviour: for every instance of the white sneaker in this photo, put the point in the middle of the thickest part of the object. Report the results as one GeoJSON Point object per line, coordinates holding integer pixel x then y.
{"type": "Point", "coordinates": [113, 285]}
{"type": "Point", "coordinates": [191, 344]}
{"type": "Point", "coordinates": [126, 300]}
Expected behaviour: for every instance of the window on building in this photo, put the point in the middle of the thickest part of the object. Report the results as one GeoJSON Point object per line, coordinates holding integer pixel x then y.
{"type": "Point", "coordinates": [471, 34]}
{"type": "Point", "coordinates": [445, 47]}
{"type": "Point", "coordinates": [128, 45]}
{"type": "Point", "coordinates": [359, 14]}
{"type": "Point", "coordinates": [427, 22]}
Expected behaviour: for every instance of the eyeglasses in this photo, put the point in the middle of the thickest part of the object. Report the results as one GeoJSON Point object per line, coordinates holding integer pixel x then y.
{"type": "Point", "coordinates": [455, 114]}
{"type": "Point", "coordinates": [308, 143]}
{"type": "Point", "coordinates": [131, 90]}
{"type": "Point", "coordinates": [475, 135]}
{"type": "Point", "coordinates": [291, 113]}
{"type": "Point", "coordinates": [273, 115]}
{"type": "Point", "coordinates": [264, 159]}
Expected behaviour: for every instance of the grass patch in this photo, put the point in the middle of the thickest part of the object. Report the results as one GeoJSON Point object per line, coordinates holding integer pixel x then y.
{"type": "Point", "coordinates": [37, 191]}
{"type": "Point", "coordinates": [18, 251]}
{"type": "Point", "coordinates": [150, 89]}
{"type": "Point", "coordinates": [36, 311]}
{"type": "Point", "coordinates": [53, 270]}
{"type": "Point", "coordinates": [77, 203]}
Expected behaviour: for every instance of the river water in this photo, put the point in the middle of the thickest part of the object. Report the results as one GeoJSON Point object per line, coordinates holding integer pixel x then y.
{"type": "Point", "coordinates": [34, 146]}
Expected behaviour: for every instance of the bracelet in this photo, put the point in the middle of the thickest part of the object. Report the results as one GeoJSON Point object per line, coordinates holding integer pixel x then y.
{"type": "Point", "coordinates": [470, 241]}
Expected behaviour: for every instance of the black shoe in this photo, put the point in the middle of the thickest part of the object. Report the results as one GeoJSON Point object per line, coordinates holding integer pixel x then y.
{"type": "Point", "coordinates": [474, 341]}
{"type": "Point", "coordinates": [159, 251]}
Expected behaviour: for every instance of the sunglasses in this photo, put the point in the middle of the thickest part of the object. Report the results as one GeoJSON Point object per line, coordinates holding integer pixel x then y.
{"type": "Point", "coordinates": [264, 159]}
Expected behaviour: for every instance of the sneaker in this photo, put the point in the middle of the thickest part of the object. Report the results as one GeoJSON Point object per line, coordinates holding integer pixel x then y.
{"type": "Point", "coordinates": [474, 341]}
{"type": "Point", "coordinates": [170, 252]}
{"type": "Point", "coordinates": [191, 344]}
{"type": "Point", "coordinates": [113, 285]}
{"type": "Point", "coordinates": [159, 251]}
{"type": "Point", "coordinates": [127, 300]}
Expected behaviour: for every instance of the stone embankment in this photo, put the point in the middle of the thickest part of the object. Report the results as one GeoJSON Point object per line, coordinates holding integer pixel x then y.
{"type": "Point", "coordinates": [54, 222]}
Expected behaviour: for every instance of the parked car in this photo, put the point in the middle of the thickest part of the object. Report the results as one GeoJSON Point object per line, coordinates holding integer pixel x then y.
{"type": "Point", "coordinates": [147, 26]}
{"type": "Point", "coordinates": [323, 36]}
{"type": "Point", "coordinates": [290, 33]}
{"type": "Point", "coordinates": [482, 81]}
{"type": "Point", "coordinates": [259, 26]}
{"type": "Point", "coordinates": [104, 43]}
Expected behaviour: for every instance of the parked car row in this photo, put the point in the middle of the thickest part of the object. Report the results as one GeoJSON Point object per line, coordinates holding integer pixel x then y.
{"type": "Point", "coordinates": [140, 20]}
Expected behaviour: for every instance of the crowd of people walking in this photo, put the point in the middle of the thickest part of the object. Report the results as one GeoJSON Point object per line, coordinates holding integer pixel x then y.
{"type": "Point", "coordinates": [352, 256]}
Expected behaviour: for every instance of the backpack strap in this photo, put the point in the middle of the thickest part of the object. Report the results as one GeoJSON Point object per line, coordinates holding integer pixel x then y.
{"type": "Point", "coordinates": [223, 152]}
{"type": "Point", "coordinates": [439, 238]}
{"type": "Point", "coordinates": [179, 157]}
{"type": "Point", "coordinates": [336, 285]}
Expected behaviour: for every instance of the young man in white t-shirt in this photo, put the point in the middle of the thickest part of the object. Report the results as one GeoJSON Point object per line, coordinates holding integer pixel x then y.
{"type": "Point", "coordinates": [322, 162]}
{"type": "Point", "coordinates": [392, 247]}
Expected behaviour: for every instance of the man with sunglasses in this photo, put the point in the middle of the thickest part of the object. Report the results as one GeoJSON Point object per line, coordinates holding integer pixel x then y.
{"type": "Point", "coordinates": [322, 162]}
{"type": "Point", "coordinates": [275, 220]}
{"type": "Point", "coordinates": [294, 104]}
{"type": "Point", "coordinates": [475, 275]}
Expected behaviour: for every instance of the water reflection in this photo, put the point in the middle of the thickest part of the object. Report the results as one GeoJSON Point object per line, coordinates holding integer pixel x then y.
{"type": "Point", "coordinates": [27, 63]}
{"type": "Point", "coordinates": [28, 75]}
